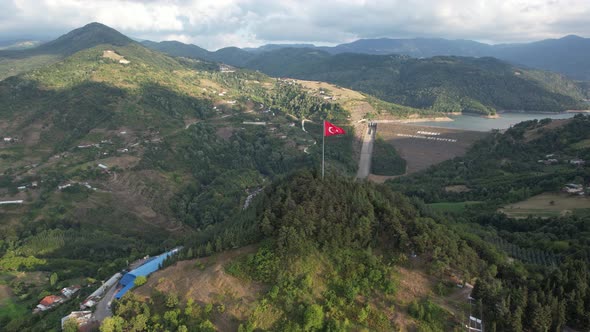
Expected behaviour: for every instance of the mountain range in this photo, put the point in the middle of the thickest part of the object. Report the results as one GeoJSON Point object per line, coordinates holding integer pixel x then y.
{"type": "Point", "coordinates": [567, 55]}
{"type": "Point", "coordinates": [440, 84]}
{"type": "Point", "coordinates": [446, 83]}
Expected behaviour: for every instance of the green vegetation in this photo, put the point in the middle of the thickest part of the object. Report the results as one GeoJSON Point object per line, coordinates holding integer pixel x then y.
{"type": "Point", "coordinates": [215, 160]}
{"type": "Point", "coordinates": [442, 84]}
{"type": "Point", "coordinates": [385, 160]}
{"type": "Point", "coordinates": [544, 286]}
{"type": "Point", "coordinates": [505, 168]}
{"type": "Point", "coordinates": [318, 255]}
{"type": "Point", "coordinates": [451, 207]}
{"type": "Point", "coordinates": [181, 161]}
{"type": "Point", "coordinates": [431, 316]}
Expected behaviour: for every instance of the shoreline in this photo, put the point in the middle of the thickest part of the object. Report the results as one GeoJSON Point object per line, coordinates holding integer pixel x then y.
{"type": "Point", "coordinates": [445, 116]}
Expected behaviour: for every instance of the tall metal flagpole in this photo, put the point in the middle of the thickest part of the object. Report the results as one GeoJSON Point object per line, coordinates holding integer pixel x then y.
{"type": "Point", "coordinates": [323, 146]}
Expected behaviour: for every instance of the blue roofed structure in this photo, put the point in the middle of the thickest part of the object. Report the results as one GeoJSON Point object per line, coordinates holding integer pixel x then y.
{"type": "Point", "coordinates": [152, 265]}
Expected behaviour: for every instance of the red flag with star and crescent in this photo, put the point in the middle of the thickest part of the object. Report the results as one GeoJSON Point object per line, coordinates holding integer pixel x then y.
{"type": "Point", "coordinates": [331, 130]}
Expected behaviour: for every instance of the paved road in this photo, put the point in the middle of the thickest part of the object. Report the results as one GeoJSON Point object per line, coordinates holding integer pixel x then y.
{"type": "Point", "coordinates": [366, 153]}
{"type": "Point", "coordinates": [103, 309]}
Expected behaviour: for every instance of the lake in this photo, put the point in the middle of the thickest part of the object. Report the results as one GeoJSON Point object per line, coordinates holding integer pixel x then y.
{"type": "Point", "coordinates": [478, 123]}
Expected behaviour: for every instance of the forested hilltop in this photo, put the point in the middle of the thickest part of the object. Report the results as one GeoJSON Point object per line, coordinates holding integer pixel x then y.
{"type": "Point", "coordinates": [442, 84]}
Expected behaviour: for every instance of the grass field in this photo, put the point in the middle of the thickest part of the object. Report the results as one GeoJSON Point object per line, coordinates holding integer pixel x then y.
{"type": "Point", "coordinates": [452, 207]}
{"type": "Point", "coordinates": [548, 205]}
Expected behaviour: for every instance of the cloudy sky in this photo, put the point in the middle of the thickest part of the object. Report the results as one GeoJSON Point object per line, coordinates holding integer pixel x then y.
{"type": "Point", "coordinates": [218, 23]}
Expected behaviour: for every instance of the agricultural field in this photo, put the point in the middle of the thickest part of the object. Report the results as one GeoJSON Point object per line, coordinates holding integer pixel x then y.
{"type": "Point", "coordinates": [424, 150]}
{"type": "Point", "coordinates": [548, 205]}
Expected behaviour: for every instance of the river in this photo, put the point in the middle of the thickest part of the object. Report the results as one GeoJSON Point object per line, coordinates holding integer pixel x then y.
{"type": "Point", "coordinates": [478, 123]}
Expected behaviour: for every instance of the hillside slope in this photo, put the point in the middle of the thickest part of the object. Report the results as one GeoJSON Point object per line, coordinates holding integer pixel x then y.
{"type": "Point", "coordinates": [441, 84]}
{"type": "Point", "coordinates": [448, 84]}
{"type": "Point", "coordinates": [118, 151]}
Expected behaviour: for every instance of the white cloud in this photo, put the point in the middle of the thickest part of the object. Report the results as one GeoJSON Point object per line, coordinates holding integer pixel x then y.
{"type": "Point", "coordinates": [217, 23]}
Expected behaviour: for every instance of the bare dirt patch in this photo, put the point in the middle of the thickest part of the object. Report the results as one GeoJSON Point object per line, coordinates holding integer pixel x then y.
{"type": "Point", "coordinates": [547, 205]}
{"type": "Point", "coordinates": [109, 54]}
{"type": "Point", "coordinates": [224, 132]}
{"type": "Point", "coordinates": [209, 285]}
{"type": "Point", "coordinates": [536, 133]}
{"type": "Point", "coordinates": [381, 178]}
{"type": "Point", "coordinates": [460, 188]}
{"type": "Point", "coordinates": [421, 153]}
{"type": "Point", "coordinates": [145, 193]}
{"type": "Point", "coordinates": [5, 293]}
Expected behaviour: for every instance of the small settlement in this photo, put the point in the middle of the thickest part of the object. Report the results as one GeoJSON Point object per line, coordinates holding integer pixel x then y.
{"type": "Point", "coordinates": [114, 288]}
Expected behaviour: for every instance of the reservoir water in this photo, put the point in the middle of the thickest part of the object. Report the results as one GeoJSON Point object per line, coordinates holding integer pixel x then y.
{"type": "Point", "coordinates": [506, 120]}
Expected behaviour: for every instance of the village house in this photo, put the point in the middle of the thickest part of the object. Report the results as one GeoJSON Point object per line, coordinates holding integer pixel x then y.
{"type": "Point", "coordinates": [48, 302]}
{"type": "Point", "coordinates": [70, 291]}
{"type": "Point", "coordinates": [577, 162]}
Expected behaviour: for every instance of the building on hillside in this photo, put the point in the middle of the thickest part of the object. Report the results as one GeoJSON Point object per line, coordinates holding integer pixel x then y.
{"type": "Point", "coordinates": [574, 189]}
{"type": "Point", "coordinates": [70, 291]}
{"type": "Point", "coordinates": [150, 266]}
{"type": "Point", "coordinates": [49, 302]}
{"type": "Point", "coordinates": [82, 318]}
{"type": "Point", "coordinates": [93, 298]}
{"type": "Point", "coordinates": [577, 162]}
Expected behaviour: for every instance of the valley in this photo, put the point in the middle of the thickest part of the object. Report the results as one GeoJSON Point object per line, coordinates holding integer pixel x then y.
{"type": "Point", "coordinates": [112, 151]}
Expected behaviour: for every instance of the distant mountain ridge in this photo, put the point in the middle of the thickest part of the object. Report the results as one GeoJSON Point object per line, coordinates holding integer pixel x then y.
{"type": "Point", "coordinates": [569, 55]}
{"type": "Point", "coordinates": [88, 36]}
{"type": "Point", "coordinates": [441, 83]}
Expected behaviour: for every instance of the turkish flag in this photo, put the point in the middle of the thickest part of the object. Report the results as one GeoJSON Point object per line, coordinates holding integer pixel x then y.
{"type": "Point", "coordinates": [331, 130]}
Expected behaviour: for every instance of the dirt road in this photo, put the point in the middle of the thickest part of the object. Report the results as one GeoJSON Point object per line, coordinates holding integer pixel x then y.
{"type": "Point", "coordinates": [366, 153]}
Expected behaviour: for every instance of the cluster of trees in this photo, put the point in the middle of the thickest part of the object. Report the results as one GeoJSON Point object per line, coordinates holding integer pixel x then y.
{"type": "Point", "coordinates": [162, 312]}
{"type": "Point", "coordinates": [386, 160]}
{"type": "Point", "coordinates": [290, 98]}
{"type": "Point", "coordinates": [334, 225]}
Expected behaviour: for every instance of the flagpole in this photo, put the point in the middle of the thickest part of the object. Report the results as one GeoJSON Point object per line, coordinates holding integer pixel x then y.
{"type": "Point", "coordinates": [323, 145]}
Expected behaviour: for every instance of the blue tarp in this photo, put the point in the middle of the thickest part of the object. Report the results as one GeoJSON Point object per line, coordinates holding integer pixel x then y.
{"type": "Point", "coordinates": [152, 265]}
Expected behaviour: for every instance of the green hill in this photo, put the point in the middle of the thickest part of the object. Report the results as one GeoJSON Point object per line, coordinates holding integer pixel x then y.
{"type": "Point", "coordinates": [441, 84]}
{"type": "Point", "coordinates": [444, 84]}
{"type": "Point", "coordinates": [13, 62]}
{"type": "Point", "coordinates": [184, 144]}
